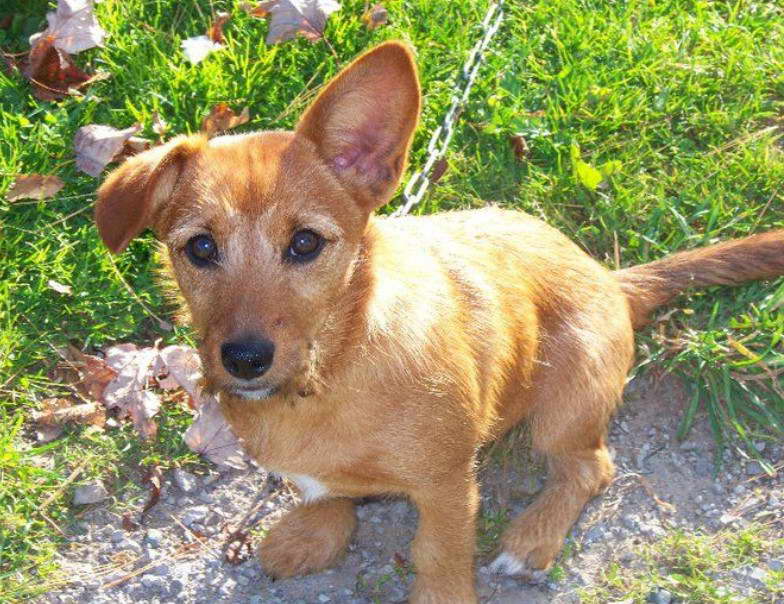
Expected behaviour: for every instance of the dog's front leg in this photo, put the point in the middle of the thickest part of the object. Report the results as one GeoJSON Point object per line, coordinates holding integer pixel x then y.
{"type": "Point", "coordinates": [443, 549]}
{"type": "Point", "coordinates": [309, 538]}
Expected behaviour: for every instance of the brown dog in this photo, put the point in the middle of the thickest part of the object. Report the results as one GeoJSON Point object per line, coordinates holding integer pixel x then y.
{"type": "Point", "coordinates": [358, 355]}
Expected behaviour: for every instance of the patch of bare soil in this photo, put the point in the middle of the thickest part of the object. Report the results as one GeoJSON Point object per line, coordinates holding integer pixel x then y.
{"type": "Point", "coordinates": [662, 485]}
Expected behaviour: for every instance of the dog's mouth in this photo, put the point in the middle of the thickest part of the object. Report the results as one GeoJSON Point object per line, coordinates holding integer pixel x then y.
{"type": "Point", "coordinates": [252, 393]}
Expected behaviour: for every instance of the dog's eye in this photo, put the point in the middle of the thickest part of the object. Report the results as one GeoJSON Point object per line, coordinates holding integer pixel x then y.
{"type": "Point", "coordinates": [305, 245]}
{"type": "Point", "coordinates": [201, 250]}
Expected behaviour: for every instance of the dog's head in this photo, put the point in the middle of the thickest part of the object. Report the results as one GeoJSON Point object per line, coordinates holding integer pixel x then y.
{"type": "Point", "coordinates": [263, 231]}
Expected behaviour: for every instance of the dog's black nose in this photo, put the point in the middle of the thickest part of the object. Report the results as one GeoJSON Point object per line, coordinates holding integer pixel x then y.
{"type": "Point", "coordinates": [247, 359]}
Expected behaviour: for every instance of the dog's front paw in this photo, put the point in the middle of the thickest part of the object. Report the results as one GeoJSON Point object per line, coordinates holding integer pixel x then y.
{"type": "Point", "coordinates": [508, 564]}
{"type": "Point", "coordinates": [308, 539]}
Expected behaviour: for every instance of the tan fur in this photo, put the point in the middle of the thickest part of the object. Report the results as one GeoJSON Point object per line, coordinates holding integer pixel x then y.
{"type": "Point", "coordinates": [408, 343]}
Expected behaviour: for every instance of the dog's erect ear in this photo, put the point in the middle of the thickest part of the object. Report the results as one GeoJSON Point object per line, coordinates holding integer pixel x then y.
{"type": "Point", "coordinates": [363, 121]}
{"type": "Point", "coordinates": [132, 194]}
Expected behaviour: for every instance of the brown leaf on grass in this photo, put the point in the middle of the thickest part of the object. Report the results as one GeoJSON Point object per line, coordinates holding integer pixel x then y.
{"type": "Point", "coordinates": [93, 372]}
{"type": "Point", "coordinates": [96, 145]}
{"type": "Point", "coordinates": [210, 436]}
{"type": "Point", "coordinates": [34, 186]}
{"type": "Point", "coordinates": [375, 17]}
{"type": "Point", "coordinates": [180, 367]}
{"type": "Point", "coordinates": [222, 117]}
{"type": "Point", "coordinates": [439, 169]}
{"type": "Point", "coordinates": [258, 9]}
{"type": "Point", "coordinates": [56, 412]}
{"type": "Point", "coordinates": [290, 18]}
{"type": "Point", "coordinates": [153, 478]}
{"type": "Point", "coordinates": [51, 71]}
{"type": "Point", "coordinates": [59, 287]}
{"type": "Point", "coordinates": [215, 32]}
{"type": "Point", "coordinates": [72, 27]}
{"type": "Point", "coordinates": [128, 392]}
{"type": "Point", "coordinates": [519, 147]}
{"type": "Point", "coordinates": [6, 21]}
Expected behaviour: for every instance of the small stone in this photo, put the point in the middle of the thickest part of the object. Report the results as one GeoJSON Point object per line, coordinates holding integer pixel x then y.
{"type": "Point", "coordinates": [727, 518]}
{"type": "Point", "coordinates": [162, 570]}
{"type": "Point", "coordinates": [753, 468]}
{"type": "Point", "coordinates": [128, 545]}
{"type": "Point", "coordinates": [117, 536]}
{"type": "Point", "coordinates": [185, 481]}
{"type": "Point", "coordinates": [631, 522]}
{"type": "Point", "coordinates": [659, 596]}
{"type": "Point", "coordinates": [324, 598]}
{"type": "Point", "coordinates": [175, 587]}
{"type": "Point", "coordinates": [255, 600]}
{"type": "Point", "coordinates": [153, 582]}
{"type": "Point", "coordinates": [94, 492]}
{"type": "Point", "coordinates": [242, 580]}
{"type": "Point", "coordinates": [595, 533]}
{"type": "Point", "coordinates": [755, 575]}
{"type": "Point", "coordinates": [195, 515]}
{"type": "Point", "coordinates": [776, 566]}
{"type": "Point", "coordinates": [154, 538]}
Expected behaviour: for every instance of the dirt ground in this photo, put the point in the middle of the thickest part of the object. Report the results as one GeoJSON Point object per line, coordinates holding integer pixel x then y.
{"type": "Point", "coordinates": [662, 485]}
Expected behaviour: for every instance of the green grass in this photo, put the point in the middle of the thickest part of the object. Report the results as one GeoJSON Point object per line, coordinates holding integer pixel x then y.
{"type": "Point", "coordinates": [686, 97]}
{"type": "Point", "coordinates": [693, 568]}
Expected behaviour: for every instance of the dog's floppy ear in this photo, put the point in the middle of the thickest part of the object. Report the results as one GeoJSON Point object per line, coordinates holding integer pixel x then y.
{"type": "Point", "coordinates": [363, 121]}
{"type": "Point", "coordinates": [132, 194]}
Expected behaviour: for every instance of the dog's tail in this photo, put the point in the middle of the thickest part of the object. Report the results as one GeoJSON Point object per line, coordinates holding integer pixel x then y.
{"type": "Point", "coordinates": [648, 286]}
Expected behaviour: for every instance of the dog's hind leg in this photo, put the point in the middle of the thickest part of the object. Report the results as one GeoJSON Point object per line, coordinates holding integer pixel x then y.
{"type": "Point", "coordinates": [309, 538]}
{"type": "Point", "coordinates": [576, 394]}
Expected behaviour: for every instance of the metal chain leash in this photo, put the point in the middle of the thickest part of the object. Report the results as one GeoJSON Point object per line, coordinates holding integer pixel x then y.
{"type": "Point", "coordinates": [419, 182]}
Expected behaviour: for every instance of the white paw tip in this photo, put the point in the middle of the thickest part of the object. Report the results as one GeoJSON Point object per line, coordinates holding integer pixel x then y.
{"type": "Point", "coordinates": [507, 564]}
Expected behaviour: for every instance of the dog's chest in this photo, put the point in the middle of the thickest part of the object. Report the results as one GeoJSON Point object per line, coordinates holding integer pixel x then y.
{"type": "Point", "coordinates": [309, 488]}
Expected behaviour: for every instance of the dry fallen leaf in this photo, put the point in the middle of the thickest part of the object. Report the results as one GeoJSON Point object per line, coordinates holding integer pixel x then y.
{"type": "Point", "coordinates": [222, 117]}
{"type": "Point", "coordinates": [180, 367]}
{"type": "Point", "coordinates": [258, 10]}
{"type": "Point", "coordinates": [94, 374]}
{"type": "Point", "coordinates": [289, 18]}
{"type": "Point", "coordinates": [519, 147]}
{"type": "Point", "coordinates": [52, 72]}
{"type": "Point", "coordinates": [375, 17]}
{"type": "Point", "coordinates": [59, 287]}
{"type": "Point", "coordinates": [96, 145]}
{"type": "Point", "coordinates": [72, 27]}
{"type": "Point", "coordinates": [153, 478]}
{"type": "Point", "coordinates": [128, 391]}
{"type": "Point", "coordinates": [60, 411]}
{"type": "Point", "coordinates": [439, 169]}
{"type": "Point", "coordinates": [55, 412]}
{"type": "Point", "coordinates": [34, 186]}
{"type": "Point", "coordinates": [198, 47]}
{"type": "Point", "coordinates": [210, 436]}
{"type": "Point", "coordinates": [215, 32]}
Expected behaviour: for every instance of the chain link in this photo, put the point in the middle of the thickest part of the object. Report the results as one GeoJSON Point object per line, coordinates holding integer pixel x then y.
{"type": "Point", "coordinates": [419, 182]}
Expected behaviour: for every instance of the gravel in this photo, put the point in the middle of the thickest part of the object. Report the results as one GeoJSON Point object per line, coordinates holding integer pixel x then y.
{"type": "Point", "coordinates": [188, 529]}
{"type": "Point", "coordinates": [185, 481]}
{"type": "Point", "coordinates": [94, 492]}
